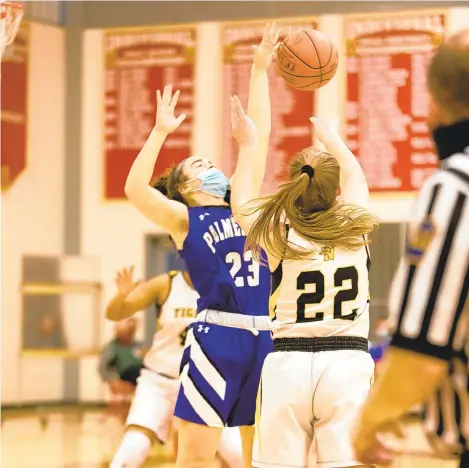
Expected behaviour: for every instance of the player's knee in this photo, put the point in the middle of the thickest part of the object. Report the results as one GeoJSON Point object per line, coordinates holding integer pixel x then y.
{"type": "Point", "coordinates": [197, 445]}
{"type": "Point", "coordinates": [229, 448]}
{"type": "Point", "coordinates": [194, 460]}
{"type": "Point", "coordinates": [133, 451]}
{"type": "Point", "coordinates": [194, 457]}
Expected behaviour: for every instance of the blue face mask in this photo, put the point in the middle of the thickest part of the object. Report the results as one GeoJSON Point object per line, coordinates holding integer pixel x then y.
{"type": "Point", "coordinates": [214, 182]}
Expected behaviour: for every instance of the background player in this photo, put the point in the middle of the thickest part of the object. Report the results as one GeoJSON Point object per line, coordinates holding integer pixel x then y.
{"type": "Point", "coordinates": [121, 360]}
{"type": "Point", "coordinates": [222, 366]}
{"type": "Point", "coordinates": [152, 409]}
{"type": "Point", "coordinates": [316, 246]}
{"type": "Point", "coordinates": [428, 356]}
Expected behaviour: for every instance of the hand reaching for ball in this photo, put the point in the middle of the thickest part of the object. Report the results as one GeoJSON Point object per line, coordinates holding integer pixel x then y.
{"type": "Point", "coordinates": [166, 121]}
{"type": "Point", "coordinates": [243, 128]}
{"type": "Point", "coordinates": [266, 49]}
{"type": "Point", "coordinates": [325, 128]}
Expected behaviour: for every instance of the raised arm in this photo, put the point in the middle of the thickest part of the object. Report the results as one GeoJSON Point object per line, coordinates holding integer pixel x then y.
{"type": "Point", "coordinates": [170, 215]}
{"type": "Point", "coordinates": [353, 185]}
{"type": "Point", "coordinates": [253, 133]}
{"type": "Point", "coordinates": [132, 296]}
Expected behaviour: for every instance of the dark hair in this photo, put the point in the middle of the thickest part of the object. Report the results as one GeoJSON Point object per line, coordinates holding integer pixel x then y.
{"type": "Point", "coordinates": [168, 184]}
{"type": "Point", "coordinates": [448, 75]}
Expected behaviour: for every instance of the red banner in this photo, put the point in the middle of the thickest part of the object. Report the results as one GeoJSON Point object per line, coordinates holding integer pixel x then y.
{"type": "Point", "coordinates": [14, 129]}
{"type": "Point", "coordinates": [387, 59]}
{"type": "Point", "coordinates": [138, 62]}
{"type": "Point", "coordinates": [291, 109]}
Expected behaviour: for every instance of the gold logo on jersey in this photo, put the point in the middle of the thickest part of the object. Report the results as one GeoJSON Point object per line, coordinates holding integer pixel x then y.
{"type": "Point", "coordinates": [327, 252]}
{"type": "Point", "coordinates": [184, 312]}
{"type": "Point", "coordinates": [418, 240]}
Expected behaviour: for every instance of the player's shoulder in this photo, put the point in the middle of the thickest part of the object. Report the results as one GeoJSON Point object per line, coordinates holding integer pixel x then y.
{"type": "Point", "coordinates": [161, 284]}
{"type": "Point", "coordinates": [163, 277]}
{"type": "Point", "coordinates": [210, 209]}
{"type": "Point", "coordinates": [204, 215]}
{"type": "Point", "coordinates": [173, 273]}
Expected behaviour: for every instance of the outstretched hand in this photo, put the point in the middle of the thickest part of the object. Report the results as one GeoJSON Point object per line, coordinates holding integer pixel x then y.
{"type": "Point", "coordinates": [124, 281]}
{"type": "Point", "coordinates": [243, 128]}
{"type": "Point", "coordinates": [324, 128]}
{"type": "Point", "coordinates": [166, 122]}
{"type": "Point", "coordinates": [266, 49]}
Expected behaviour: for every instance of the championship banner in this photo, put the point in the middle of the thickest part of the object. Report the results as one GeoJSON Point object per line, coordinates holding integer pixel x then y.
{"type": "Point", "coordinates": [14, 108]}
{"type": "Point", "coordinates": [386, 108]}
{"type": "Point", "coordinates": [138, 62]}
{"type": "Point", "coordinates": [291, 109]}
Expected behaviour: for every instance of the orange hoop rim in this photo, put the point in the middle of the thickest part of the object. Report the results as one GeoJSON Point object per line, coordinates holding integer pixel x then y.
{"type": "Point", "coordinates": [11, 14]}
{"type": "Point", "coordinates": [17, 5]}
{"type": "Point", "coordinates": [10, 6]}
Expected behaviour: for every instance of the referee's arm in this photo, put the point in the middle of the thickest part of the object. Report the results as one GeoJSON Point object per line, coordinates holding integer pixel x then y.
{"type": "Point", "coordinates": [426, 302]}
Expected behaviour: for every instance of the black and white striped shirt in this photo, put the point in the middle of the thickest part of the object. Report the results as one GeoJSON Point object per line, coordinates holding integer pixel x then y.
{"type": "Point", "coordinates": [429, 310]}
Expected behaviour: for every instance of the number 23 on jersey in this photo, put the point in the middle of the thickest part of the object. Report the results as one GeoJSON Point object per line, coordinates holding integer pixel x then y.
{"type": "Point", "coordinates": [236, 261]}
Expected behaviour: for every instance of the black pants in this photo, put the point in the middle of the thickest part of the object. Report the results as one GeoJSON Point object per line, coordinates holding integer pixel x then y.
{"type": "Point", "coordinates": [131, 374]}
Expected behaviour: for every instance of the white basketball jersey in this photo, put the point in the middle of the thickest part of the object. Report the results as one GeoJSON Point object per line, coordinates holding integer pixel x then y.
{"type": "Point", "coordinates": [325, 295]}
{"type": "Point", "coordinates": [176, 314]}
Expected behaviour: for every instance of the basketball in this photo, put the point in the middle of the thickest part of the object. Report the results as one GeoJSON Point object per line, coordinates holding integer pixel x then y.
{"type": "Point", "coordinates": [307, 59]}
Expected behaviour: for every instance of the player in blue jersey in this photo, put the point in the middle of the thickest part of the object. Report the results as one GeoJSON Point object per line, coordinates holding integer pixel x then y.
{"type": "Point", "coordinates": [229, 340]}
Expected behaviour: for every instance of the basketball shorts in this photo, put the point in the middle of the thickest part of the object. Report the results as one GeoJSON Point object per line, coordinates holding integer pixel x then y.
{"type": "Point", "coordinates": [153, 403]}
{"type": "Point", "coordinates": [307, 406]}
{"type": "Point", "coordinates": [220, 373]}
{"type": "Point", "coordinates": [131, 374]}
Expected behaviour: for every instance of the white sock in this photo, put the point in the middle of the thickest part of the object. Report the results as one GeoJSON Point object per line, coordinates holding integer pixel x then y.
{"type": "Point", "coordinates": [230, 448]}
{"type": "Point", "coordinates": [132, 452]}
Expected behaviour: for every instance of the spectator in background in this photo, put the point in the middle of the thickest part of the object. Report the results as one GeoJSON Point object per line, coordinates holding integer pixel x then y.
{"type": "Point", "coordinates": [50, 334]}
{"type": "Point", "coordinates": [121, 359]}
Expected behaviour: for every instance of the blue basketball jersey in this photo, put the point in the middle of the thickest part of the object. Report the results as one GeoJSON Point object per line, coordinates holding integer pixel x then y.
{"type": "Point", "coordinates": [225, 276]}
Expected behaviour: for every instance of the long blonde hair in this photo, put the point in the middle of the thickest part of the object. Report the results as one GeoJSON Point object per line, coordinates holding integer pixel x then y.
{"type": "Point", "coordinates": [308, 204]}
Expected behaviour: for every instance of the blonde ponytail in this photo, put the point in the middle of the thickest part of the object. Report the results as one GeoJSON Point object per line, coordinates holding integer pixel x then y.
{"type": "Point", "coordinates": [309, 206]}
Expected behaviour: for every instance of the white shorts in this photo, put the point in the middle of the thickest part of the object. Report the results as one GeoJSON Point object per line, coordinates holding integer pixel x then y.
{"type": "Point", "coordinates": [307, 406]}
{"type": "Point", "coordinates": [153, 403]}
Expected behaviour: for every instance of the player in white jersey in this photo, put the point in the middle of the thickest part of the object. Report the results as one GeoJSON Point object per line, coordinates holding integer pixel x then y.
{"type": "Point", "coordinates": [319, 375]}
{"type": "Point", "coordinates": [151, 413]}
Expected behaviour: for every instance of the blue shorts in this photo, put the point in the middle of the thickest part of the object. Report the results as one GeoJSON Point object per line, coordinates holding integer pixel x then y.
{"type": "Point", "coordinates": [220, 373]}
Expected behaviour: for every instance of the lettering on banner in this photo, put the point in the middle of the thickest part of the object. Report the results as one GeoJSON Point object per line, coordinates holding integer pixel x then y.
{"type": "Point", "coordinates": [137, 64]}
{"type": "Point", "coordinates": [387, 99]}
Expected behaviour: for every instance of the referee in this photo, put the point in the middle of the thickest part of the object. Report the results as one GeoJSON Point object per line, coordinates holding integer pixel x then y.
{"type": "Point", "coordinates": [427, 362]}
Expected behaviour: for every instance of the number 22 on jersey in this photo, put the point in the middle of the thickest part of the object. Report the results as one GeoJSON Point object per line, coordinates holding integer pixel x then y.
{"type": "Point", "coordinates": [235, 259]}
{"type": "Point", "coordinates": [316, 278]}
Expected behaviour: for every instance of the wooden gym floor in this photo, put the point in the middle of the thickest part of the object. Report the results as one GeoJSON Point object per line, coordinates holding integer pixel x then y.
{"type": "Point", "coordinates": [65, 438]}
{"type": "Point", "coordinates": [80, 437]}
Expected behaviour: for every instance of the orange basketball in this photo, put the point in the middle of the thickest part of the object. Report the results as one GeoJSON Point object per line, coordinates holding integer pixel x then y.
{"type": "Point", "coordinates": [307, 59]}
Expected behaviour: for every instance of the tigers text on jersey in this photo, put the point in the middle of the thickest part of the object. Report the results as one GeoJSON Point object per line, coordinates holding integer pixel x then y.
{"type": "Point", "coordinates": [225, 276]}
{"type": "Point", "coordinates": [176, 314]}
{"type": "Point", "coordinates": [324, 295]}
